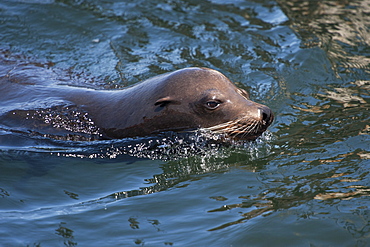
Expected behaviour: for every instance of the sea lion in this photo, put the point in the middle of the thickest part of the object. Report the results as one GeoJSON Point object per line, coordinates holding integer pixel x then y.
{"type": "Point", "coordinates": [186, 99]}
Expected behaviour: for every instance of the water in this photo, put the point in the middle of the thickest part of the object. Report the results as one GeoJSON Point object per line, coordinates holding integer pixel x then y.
{"type": "Point", "coordinates": [305, 183]}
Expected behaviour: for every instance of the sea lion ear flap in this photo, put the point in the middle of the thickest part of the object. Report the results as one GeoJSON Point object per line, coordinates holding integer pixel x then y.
{"type": "Point", "coordinates": [243, 93]}
{"type": "Point", "coordinates": [162, 102]}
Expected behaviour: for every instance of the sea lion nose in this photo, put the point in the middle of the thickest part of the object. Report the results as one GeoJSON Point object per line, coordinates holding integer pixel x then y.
{"type": "Point", "coordinates": [265, 114]}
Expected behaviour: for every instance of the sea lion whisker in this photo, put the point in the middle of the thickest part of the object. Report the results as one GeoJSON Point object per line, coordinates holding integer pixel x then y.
{"type": "Point", "coordinates": [252, 128]}
{"type": "Point", "coordinates": [240, 128]}
{"type": "Point", "coordinates": [220, 126]}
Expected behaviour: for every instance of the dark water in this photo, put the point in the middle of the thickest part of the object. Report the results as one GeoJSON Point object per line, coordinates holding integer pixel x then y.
{"type": "Point", "coordinates": [305, 183]}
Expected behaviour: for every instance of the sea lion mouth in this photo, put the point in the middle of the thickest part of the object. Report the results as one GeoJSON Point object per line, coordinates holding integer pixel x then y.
{"type": "Point", "coordinates": [245, 128]}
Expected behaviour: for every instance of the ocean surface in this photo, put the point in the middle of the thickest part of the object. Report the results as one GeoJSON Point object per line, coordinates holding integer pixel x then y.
{"type": "Point", "coordinates": [305, 182]}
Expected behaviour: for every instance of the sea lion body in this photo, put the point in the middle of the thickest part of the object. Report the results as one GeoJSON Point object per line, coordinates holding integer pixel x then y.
{"type": "Point", "coordinates": [182, 100]}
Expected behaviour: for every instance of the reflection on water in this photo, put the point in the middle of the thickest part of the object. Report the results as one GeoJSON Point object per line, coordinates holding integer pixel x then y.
{"type": "Point", "coordinates": [305, 183]}
{"type": "Point", "coordinates": [340, 28]}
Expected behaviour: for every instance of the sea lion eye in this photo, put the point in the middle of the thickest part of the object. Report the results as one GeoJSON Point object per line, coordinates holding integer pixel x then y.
{"type": "Point", "coordinates": [213, 104]}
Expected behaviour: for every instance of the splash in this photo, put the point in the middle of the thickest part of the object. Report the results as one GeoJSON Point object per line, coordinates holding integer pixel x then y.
{"type": "Point", "coordinates": [171, 146]}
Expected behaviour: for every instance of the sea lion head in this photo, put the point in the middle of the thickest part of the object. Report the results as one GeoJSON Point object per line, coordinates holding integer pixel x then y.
{"type": "Point", "coordinates": [204, 98]}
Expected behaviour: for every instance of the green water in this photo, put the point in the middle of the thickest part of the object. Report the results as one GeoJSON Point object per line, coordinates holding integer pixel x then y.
{"type": "Point", "coordinates": [306, 183]}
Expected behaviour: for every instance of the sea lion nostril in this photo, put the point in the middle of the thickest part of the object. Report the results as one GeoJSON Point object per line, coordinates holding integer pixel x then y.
{"type": "Point", "coordinates": [265, 117]}
{"type": "Point", "coordinates": [265, 114]}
